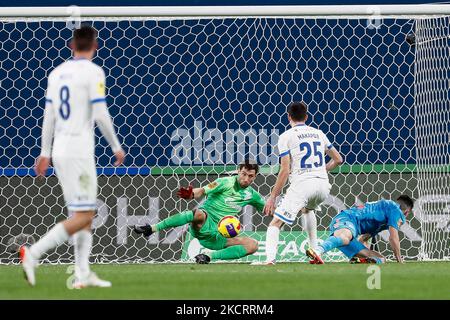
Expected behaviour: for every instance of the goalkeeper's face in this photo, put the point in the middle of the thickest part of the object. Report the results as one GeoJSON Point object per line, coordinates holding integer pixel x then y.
{"type": "Point", "coordinates": [246, 177]}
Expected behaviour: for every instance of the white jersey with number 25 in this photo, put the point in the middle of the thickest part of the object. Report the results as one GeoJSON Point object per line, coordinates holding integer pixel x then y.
{"type": "Point", "coordinates": [74, 87]}
{"type": "Point", "coordinates": [306, 146]}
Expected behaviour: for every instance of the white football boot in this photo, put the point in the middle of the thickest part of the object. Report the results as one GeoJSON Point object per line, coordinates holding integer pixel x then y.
{"type": "Point", "coordinates": [29, 264]}
{"type": "Point", "coordinates": [91, 281]}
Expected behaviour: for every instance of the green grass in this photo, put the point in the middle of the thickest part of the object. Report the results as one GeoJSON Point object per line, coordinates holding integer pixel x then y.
{"type": "Point", "coordinates": [419, 280]}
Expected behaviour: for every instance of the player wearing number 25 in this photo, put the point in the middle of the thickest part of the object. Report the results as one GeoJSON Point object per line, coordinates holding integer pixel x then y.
{"type": "Point", "coordinates": [75, 99]}
{"type": "Point", "coordinates": [302, 151]}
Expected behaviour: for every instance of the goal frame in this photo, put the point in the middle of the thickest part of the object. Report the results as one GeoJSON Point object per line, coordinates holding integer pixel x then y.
{"type": "Point", "coordinates": [230, 11]}
{"type": "Point", "coordinates": [369, 12]}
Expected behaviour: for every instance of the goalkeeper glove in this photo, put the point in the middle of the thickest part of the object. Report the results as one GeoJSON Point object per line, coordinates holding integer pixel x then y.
{"type": "Point", "coordinates": [186, 193]}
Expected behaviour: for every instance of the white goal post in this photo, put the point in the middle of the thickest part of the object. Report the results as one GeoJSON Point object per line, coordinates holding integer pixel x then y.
{"type": "Point", "coordinates": [195, 90]}
{"type": "Point", "coordinates": [233, 11]}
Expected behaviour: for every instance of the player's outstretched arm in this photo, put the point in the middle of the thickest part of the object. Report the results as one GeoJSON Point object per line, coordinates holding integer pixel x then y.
{"type": "Point", "coordinates": [394, 240]}
{"type": "Point", "coordinates": [48, 127]}
{"type": "Point", "coordinates": [190, 192]}
{"type": "Point", "coordinates": [104, 122]}
{"type": "Point", "coordinates": [336, 159]}
{"type": "Point", "coordinates": [283, 175]}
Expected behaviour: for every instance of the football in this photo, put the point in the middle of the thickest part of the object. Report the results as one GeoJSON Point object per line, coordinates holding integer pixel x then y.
{"type": "Point", "coordinates": [229, 226]}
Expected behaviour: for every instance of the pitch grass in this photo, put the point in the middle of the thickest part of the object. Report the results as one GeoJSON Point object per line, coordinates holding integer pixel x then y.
{"type": "Point", "coordinates": [429, 280]}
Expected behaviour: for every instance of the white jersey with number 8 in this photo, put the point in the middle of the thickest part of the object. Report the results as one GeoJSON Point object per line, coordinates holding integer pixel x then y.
{"type": "Point", "coordinates": [74, 87]}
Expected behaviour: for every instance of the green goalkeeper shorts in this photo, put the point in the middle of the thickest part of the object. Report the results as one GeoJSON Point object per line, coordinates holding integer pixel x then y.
{"type": "Point", "coordinates": [208, 236]}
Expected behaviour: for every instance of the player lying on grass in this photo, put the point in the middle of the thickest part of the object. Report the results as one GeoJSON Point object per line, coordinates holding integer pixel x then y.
{"type": "Point", "coordinates": [225, 196]}
{"type": "Point", "coordinates": [365, 221]}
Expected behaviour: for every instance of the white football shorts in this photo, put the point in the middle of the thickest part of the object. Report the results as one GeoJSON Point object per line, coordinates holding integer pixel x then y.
{"type": "Point", "coordinates": [78, 179]}
{"type": "Point", "coordinates": [307, 193]}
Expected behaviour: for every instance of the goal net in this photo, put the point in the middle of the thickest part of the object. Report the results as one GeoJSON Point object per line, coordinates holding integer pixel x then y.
{"type": "Point", "coordinates": [432, 124]}
{"type": "Point", "coordinates": [192, 96]}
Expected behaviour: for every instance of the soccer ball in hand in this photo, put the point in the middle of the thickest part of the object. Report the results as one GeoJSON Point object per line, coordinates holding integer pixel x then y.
{"type": "Point", "coordinates": [229, 226]}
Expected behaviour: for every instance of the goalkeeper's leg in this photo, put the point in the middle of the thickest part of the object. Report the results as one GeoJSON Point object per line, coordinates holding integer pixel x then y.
{"type": "Point", "coordinates": [235, 248]}
{"type": "Point", "coordinates": [179, 219]}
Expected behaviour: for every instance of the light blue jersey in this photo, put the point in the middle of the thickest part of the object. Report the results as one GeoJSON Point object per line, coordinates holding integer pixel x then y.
{"type": "Point", "coordinates": [371, 218]}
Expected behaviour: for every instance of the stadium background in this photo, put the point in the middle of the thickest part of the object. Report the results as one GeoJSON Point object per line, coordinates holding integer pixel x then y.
{"type": "Point", "coordinates": [159, 107]}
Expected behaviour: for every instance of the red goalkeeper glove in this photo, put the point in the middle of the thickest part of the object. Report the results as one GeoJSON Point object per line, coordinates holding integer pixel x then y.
{"type": "Point", "coordinates": [186, 193]}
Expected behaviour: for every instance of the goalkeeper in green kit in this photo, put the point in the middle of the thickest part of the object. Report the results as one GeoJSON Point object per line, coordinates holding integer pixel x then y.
{"type": "Point", "coordinates": [225, 196]}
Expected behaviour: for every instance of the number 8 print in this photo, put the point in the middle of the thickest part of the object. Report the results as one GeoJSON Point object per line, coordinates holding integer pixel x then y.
{"type": "Point", "coordinates": [64, 97]}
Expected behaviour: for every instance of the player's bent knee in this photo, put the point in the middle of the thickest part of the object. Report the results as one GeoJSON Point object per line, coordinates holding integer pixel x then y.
{"type": "Point", "coordinates": [344, 234]}
{"type": "Point", "coordinates": [253, 246]}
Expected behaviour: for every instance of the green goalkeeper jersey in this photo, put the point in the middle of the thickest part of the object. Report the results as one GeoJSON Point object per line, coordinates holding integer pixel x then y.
{"type": "Point", "coordinates": [226, 197]}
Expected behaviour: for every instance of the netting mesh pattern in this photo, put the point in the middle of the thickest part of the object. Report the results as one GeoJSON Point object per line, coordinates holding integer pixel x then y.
{"type": "Point", "coordinates": [228, 74]}
{"type": "Point", "coordinates": [433, 134]}
{"type": "Point", "coordinates": [192, 98]}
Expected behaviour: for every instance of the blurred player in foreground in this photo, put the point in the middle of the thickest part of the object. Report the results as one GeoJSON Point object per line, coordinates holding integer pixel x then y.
{"type": "Point", "coordinates": [75, 99]}
{"type": "Point", "coordinates": [302, 151]}
{"type": "Point", "coordinates": [225, 197]}
{"type": "Point", "coordinates": [365, 222]}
